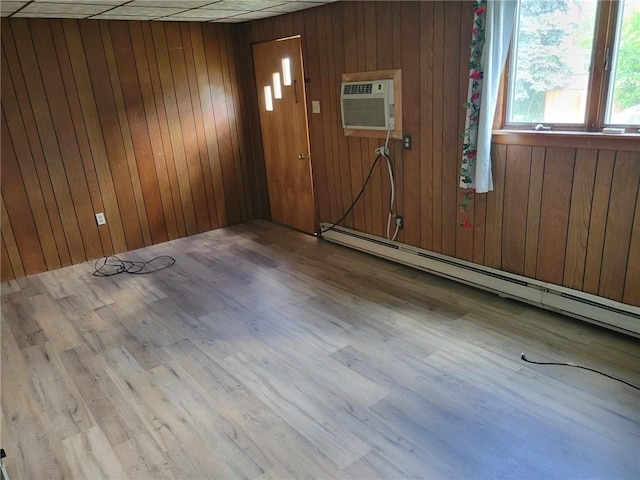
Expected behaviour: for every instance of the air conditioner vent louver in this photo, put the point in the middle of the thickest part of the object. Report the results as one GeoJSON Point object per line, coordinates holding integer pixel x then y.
{"type": "Point", "coordinates": [358, 88]}
{"type": "Point", "coordinates": [368, 105]}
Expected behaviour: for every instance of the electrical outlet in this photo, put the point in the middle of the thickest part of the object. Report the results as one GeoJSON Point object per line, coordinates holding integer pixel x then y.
{"type": "Point", "coordinates": [406, 142]}
{"type": "Point", "coordinates": [399, 222]}
{"type": "Point", "coordinates": [100, 218]}
{"type": "Point", "coordinates": [315, 106]}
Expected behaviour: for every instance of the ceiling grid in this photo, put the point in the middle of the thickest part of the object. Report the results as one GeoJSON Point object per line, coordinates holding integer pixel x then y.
{"type": "Point", "coordinates": [225, 11]}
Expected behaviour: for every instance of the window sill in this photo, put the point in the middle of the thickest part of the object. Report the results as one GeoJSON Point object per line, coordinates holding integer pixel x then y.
{"type": "Point", "coordinates": [629, 142]}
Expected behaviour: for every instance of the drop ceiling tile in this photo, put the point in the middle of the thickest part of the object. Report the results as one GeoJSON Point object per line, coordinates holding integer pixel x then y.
{"type": "Point", "coordinates": [215, 14]}
{"type": "Point", "coordinates": [255, 15]}
{"type": "Point", "coordinates": [202, 14]}
{"type": "Point", "coordinates": [50, 15]}
{"type": "Point", "coordinates": [145, 11]}
{"type": "Point", "coordinates": [291, 7]}
{"type": "Point", "coordinates": [230, 20]}
{"type": "Point", "coordinates": [56, 9]}
{"type": "Point", "coordinates": [118, 16]}
{"type": "Point", "coordinates": [7, 8]}
{"type": "Point", "coordinates": [248, 5]}
{"type": "Point", "coordinates": [170, 3]}
{"type": "Point", "coordinates": [173, 18]}
{"type": "Point", "coordinates": [87, 2]}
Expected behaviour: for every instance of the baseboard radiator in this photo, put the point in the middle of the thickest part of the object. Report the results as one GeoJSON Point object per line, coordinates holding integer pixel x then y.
{"type": "Point", "coordinates": [591, 308]}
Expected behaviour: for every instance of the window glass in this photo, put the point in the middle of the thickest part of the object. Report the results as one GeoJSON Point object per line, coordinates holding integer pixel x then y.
{"type": "Point", "coordinates": [550, 61]}
{"type": "Point", "coordinates": [623, 106]}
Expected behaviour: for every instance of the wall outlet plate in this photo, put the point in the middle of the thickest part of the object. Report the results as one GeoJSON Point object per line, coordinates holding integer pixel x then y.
{"type": "Point", "coordinates": [100, 218]}
{"type": "Point", "coordinates": [406, 142]}
{"type": "Point", "coordinates": [315, 106]}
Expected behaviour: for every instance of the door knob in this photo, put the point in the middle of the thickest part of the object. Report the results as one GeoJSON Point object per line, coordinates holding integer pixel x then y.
{"type": "Point", "coordinates": [304, 156]}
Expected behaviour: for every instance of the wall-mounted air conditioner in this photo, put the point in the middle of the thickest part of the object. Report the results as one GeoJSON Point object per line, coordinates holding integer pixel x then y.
{"type": "Point", "coordinates": [367, 105]}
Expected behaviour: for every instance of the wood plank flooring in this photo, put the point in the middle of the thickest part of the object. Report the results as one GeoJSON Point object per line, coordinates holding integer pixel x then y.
{"type": "Point", "coordinates": [267, 354]}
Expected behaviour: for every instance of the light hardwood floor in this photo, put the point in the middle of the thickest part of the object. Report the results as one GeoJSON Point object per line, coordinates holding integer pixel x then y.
{"type": "Point", "coordinates": [266, 354]}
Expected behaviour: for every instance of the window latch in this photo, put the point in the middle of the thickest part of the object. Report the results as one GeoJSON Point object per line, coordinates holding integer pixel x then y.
{"type": "Point", "coordinates": [607, 59]}
{"type": "Point", "coordinates": [540, 127]}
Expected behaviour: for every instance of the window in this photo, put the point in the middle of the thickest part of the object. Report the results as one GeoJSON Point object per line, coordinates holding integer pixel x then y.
{"type": "Point", "coordinates": [574, 65]}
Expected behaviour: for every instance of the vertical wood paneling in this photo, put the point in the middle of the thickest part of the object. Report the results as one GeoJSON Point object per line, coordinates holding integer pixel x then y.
{"type": "Point", "coordinates": [110, 128]}
{"type": "Point", "coordinates": [554, 213]}
{"type": "Point", "coordinates": [632, 281]}
{"type": "Point", "coordinates": [598, 221]}
{"type": "Point", "coordinates": [125, 133]}
{"type": "Point", "coordinates": [25, 64]}
{"type": "Point", "coordinates": [373, 198]}
{"type": "Point", "coordinates": [226, 51]}
{"type": "Point", "coordinates": [542, 220]}
{"type": "Point", "coordinates": [203, 114]}
{"type": "Point", "coordinates": [237, 123]}
{"type": "Point", "coordinates": [223, 126]}
{"type": "Point", "coordinates": [426, 125]}
{"type": "Point", "coordinates": [578, 231]}
{"type": "Point", "coordinates": [107, 116]}
{"type": "Point", "coordinates": [396, 39]}
{"type": "Point", "coordinates": [316, 133]}
{"type": "Point", "coordinates": [336, 67]}
{"type": "Point", "coordinates": [68, 150]}
{"type": "Point", "coordinates": [321, 24]}
{"type": "Point", "coordinates": [357, 174]}
{"type": "Point", "coordinates": [14, 132]}
{"type": "Point", "coordinates": [534, 201]}
{"type": "Point", "coordinates": [384, 61]}
{"type": "Point", "coordinates": [411, 120]}
{"type": "Point", "coordinates": [95, 135]}
{"type": "Point", "coordinates": [6, 270]}
{"type": "Point", "coordinates": [16, 204]}
{"type": "Point", "coordinates": [624, 192]}
{"type": "Point", "coordinates": [21, 125]}
{"type": "Point", "coordinates": [479, 227]}
{"type": "Point", "coordinates": [169, 157]}
{"type": "Point", "coordinates": [451, 107]}
{"type": "Point", "coordinates": [514, 218]}
{"type": "Point", "coordinates": [254, 186]}
{"type": "Point", "coordinates": [363, 62]}
{"type": "Point", "coordinates": [10, 244]}
{"type": "Point", "coordinates": [182, 113]}
{"type": "Point", "coordinates": [133, 108]}
{"type": "Point", "coordinates": [151, 123]}
{"type": "Point", "coordinates": [437, 115]}
{"type": "Point", "coordinates": [80, 131]}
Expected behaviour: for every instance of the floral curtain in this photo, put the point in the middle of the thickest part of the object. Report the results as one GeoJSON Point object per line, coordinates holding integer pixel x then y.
{"type": "Point", "coordinates": [490, 37]}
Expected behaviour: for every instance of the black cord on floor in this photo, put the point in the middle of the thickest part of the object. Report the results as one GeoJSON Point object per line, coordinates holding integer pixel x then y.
{"type": "Point", "coordinates": [524, 357]}
{"type": "Point", "coordinates": [113, 265]}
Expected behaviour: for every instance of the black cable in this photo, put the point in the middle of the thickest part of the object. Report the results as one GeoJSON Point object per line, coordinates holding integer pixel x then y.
{"type": "Point", "coordinates": [113, 265]}
{"type": "Point", "coordinates": [364, 186]}
{"type": "Point", "coordinates": [524, 357]}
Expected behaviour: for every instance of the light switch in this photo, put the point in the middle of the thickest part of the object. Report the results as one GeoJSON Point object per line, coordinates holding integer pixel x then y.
{"type": "Point", "coordinates": [315, 106]}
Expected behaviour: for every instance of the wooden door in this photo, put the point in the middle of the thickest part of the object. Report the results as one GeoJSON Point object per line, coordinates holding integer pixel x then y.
{"type": "Point", "coordinates": [285, 136]}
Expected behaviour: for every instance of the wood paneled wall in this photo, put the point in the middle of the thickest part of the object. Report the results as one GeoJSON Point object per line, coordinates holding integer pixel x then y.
{"type": "Point", "coordinates": [150, 123]}
{"type": "Point", "coordinates": [140, 120]}
{"type": "Point", "coordinates": [569, 216]}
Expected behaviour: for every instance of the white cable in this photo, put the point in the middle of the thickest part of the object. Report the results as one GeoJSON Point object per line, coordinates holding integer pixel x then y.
{"type": "Point", "coordinates": [392, 181]}
{"type": "Point", "coordinates": [392, 200]}
{"type": "Point", "coordinates": [386, 144]}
